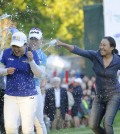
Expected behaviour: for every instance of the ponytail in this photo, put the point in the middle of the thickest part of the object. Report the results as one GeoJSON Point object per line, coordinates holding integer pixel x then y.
{"type": "Point", "coordinates": [115, 51]}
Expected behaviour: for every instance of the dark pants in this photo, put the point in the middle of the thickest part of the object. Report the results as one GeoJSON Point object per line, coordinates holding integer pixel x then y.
{"type": "Point", "coordinates": [107, 109]}
{"type": "Point", "coordinates": [1, 111]}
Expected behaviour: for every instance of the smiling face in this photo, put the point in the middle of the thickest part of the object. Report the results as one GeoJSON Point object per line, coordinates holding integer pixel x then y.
{"type": "Point", "coordinates": [18, 51]}
{"type": "Point", "coordinates": [35, 43]}
{"type": "Point", "coordinates": [35, 38]}
{"type": "Point", "coordinates": [105, 48]}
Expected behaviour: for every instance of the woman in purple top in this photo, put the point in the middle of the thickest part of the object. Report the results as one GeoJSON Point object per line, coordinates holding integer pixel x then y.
{"type": "Point", "coordinates": [106, 63]}
{"type": "Point", "coordinates": [20, 100]}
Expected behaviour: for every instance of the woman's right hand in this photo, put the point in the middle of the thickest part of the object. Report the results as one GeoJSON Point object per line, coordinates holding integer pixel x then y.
{"type": "Point", "coordinates": [59, 43]}
{"type": "Point", "coordinates": [66, 46]}
{"type": "Point", "coordinates": [10, 70]}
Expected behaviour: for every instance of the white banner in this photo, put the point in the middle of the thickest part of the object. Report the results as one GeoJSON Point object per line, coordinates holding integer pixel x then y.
{"type": "Point", "coordinates": [112, 20]}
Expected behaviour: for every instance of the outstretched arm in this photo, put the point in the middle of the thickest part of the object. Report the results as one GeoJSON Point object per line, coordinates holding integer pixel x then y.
{"type": "Point", "coordinates": [67, 46]}
{"type": "Point", "coordinates": [90, 54]}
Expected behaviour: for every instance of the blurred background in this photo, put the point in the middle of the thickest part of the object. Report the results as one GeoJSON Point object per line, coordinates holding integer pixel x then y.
{"type": "Point", "coordinates": [79, 22]}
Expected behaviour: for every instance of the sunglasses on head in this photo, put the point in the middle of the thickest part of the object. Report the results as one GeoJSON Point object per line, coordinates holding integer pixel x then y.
{"type": "Point", "coordinates": [33, 38]}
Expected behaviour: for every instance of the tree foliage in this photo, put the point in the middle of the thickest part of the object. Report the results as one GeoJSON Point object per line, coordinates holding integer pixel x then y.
{"type": "Point", "coordinates": [61, 19]}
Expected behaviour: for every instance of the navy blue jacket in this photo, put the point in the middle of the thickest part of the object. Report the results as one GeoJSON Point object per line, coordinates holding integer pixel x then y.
{"type": "Point", "coordinates": [106, 78]}
{"type": "Point", "coordinates": [49, 107]}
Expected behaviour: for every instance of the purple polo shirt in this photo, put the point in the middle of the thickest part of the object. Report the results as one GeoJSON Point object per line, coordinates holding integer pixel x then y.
{"type": "Point", "coordinates": [21, 83]}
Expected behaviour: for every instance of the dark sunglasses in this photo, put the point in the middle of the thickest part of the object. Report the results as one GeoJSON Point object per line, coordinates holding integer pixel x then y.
{"type": "Point", "coordinates": [33, 38]}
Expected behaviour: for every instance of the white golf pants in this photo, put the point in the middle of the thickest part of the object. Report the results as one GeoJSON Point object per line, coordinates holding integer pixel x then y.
{"type": "Point", "coordinates": [39, 119]}
{"type": "Point", "coordinates": [16, 108]}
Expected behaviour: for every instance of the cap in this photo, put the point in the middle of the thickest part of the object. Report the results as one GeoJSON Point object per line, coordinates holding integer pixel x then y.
{"type": "Point", "coordinates": [18, 39]}
{"type": "Point", "coordinates": [36, 33]}
{"type": "Point", "coordinates": [78, 80]}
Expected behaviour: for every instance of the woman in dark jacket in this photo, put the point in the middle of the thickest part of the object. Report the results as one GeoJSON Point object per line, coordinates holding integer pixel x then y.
{"type": "Point", "coordinates": [107, 100]}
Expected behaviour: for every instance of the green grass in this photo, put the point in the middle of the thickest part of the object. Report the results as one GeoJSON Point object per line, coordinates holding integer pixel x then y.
{"type": "Point", "coordinates": [117, 119]}
{"type": "Point", "coordinates": [87, 129]}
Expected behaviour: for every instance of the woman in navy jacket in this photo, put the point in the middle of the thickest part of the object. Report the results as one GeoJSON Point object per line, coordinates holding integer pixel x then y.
{"type": "Point", "coordinates": [20, 100]}
{"type": "Point", "coordinates": [107, 100]}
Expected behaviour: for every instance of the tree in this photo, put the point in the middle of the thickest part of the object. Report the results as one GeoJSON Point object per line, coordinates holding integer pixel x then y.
{"type": "Point", "coordinates": [61, 19]}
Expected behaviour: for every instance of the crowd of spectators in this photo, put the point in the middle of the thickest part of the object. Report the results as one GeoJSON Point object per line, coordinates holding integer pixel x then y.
{"type": "Point", "coordinates": [80, 94]}
{"type": "Point", "coordinates": [81, 91]}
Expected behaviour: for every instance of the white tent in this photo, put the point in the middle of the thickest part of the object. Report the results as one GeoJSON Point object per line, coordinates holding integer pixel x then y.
{"type": "Point", "coordinates": [56, 62]}
{"type": "Point", "coordinates": [112, 20]}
